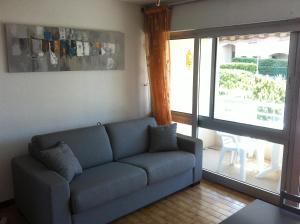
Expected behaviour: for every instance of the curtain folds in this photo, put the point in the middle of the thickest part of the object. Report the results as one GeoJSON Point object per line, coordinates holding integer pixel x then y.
{"type": "Point", "coordinates": [157, 34]}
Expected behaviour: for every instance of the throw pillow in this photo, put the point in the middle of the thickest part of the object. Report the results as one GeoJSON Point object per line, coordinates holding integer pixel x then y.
{"type": "Point", "coordinates": [163, 138]}
{"type": "Point", "coordinates": [62, 160]}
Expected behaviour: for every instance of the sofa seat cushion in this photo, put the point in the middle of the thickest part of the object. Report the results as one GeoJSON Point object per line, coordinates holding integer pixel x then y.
{"type": "Point", "coordinates": [162, 165]}
{"type": "Point", "coordinates": [98, 185]}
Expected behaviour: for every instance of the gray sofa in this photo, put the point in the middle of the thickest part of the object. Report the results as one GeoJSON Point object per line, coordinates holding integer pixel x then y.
{"type": "Point", "coordinates": [119, 174]}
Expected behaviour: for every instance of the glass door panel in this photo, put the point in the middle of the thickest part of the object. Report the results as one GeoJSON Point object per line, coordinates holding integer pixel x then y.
{"type": "Point", "coordinates": [206, 53]}
{"type": "Point", "coordinates": [253, 161]}
{"type": "Point", "coordinates": [251, 79]}
{"type": "Point", "coordinates": [182, 62]}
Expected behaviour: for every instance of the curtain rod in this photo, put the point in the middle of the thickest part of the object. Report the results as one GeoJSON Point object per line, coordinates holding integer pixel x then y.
{"type": "Point", "coordinates": [172, 3]}
{"type": "Point", "coordinates": [180, 2]}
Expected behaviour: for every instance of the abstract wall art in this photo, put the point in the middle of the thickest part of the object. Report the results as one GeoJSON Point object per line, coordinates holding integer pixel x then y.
{"type": "Point", "coordinates": [43, 49]}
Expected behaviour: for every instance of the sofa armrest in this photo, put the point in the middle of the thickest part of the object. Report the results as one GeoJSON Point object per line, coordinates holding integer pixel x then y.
{"type": "Point", "coordinates": [194, 146]}
{"type": "Point", "coordinates": [42, 195]}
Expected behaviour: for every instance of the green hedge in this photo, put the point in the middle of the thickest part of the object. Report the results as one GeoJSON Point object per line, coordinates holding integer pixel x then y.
{"type": "Point", "coordinates": [244, 60]}
{"type": "Point", "coordinates": [236, 79]}
{"type": "Point", "coordinates": [269, 89]}
{"type": "Point", "coordinates": [261, 88]}
{"type": "Point", "coordinates": [271, 67]}
{"type": "Point", "coordinates": [273, 71]}
{"type": "Point", "coordinates": [250, 67]}
{"type": "Point", "coordinates": [273, 62]}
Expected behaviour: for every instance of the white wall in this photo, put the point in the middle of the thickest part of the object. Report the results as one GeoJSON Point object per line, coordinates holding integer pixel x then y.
{"type": "Point", "coordinates": [34, 103]}
{"type": "Point", "coordinates": [218, 13]}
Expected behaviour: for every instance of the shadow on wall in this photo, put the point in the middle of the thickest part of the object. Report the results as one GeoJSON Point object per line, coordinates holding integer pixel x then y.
{"type": "Point", "coordinates": [3, 62]}
{"type": "Point", "coordinates": [8, 150]}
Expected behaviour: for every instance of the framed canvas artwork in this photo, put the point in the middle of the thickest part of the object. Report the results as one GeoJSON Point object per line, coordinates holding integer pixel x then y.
{"type": "Point", "coordinates": [43, 49]}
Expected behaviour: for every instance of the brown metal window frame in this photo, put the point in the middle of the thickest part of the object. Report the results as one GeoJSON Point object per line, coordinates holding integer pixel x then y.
{"type": "Point", "coordinates": [285, 136]}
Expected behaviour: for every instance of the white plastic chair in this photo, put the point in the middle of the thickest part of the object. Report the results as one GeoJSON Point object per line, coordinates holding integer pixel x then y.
{"type": "Point", "coordinates": [232, 143]}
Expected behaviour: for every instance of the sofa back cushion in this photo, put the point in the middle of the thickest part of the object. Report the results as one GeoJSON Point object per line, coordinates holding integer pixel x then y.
{"type": "Point", "coordinates": [130, 137]}
{"type": "Point", "coordinates": [90, 145]}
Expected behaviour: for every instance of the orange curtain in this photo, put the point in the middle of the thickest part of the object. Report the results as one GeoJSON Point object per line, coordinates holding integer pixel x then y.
{"type": "Point", "coordinates": [157, 33]}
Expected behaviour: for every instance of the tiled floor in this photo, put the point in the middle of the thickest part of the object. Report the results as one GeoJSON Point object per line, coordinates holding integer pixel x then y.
{"type": "Point", "coordinates": [203, 203]}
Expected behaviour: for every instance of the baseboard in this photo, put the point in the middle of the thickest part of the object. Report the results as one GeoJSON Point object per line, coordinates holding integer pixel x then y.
{"type": "Point", "coordinates": [7, 203]}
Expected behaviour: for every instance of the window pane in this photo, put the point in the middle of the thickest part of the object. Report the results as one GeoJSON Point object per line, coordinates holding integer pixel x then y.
{"type": "Point", "coordinates": [251, 79]}
{"type": "Point", "coordinates": [205, 75]}
{"type": "Point", "coordinates": [184, 129]}
{"type": "Point", "coordinates": [182, 60]}
{"type": "Point", "coordinates": [254, 161]}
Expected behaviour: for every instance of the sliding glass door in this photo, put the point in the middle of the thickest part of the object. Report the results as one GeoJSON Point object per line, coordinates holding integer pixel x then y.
{"type": "Point", "coordinates": [245, 90]}
{"type": "Point", "coordinates": [249, 89]}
